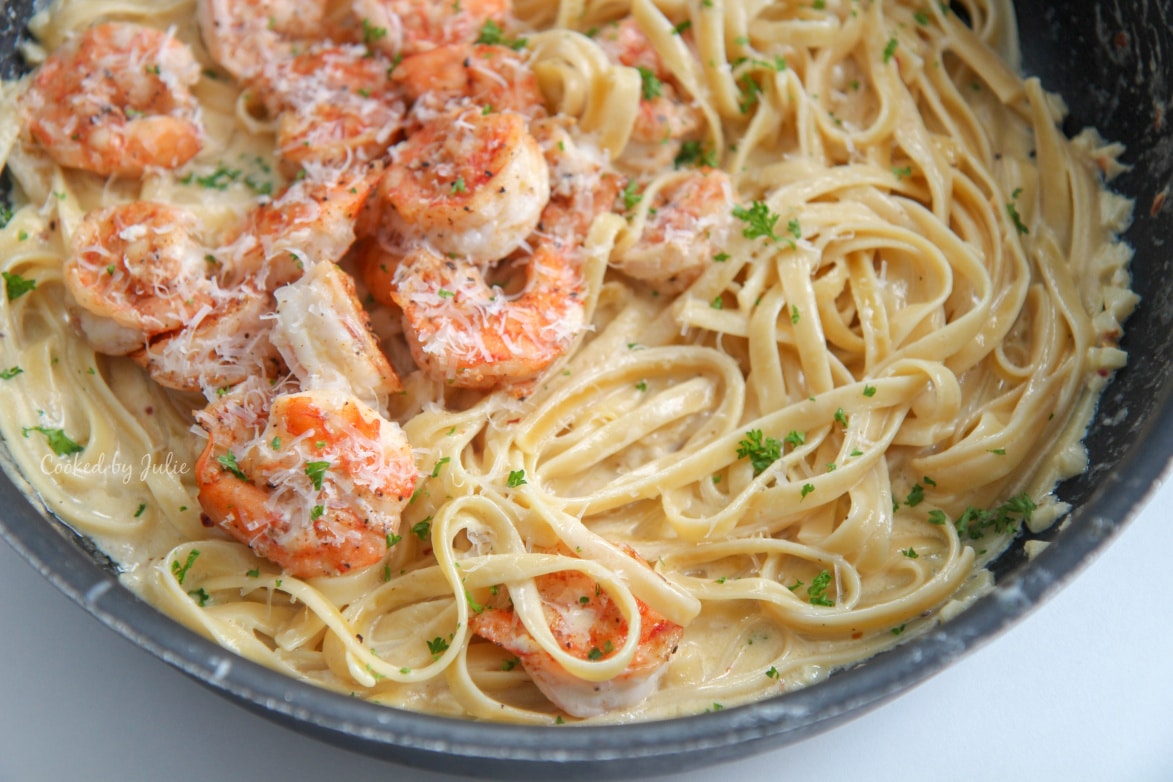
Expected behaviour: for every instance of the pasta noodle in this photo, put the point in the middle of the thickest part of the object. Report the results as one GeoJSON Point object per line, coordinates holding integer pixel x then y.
{"type": "Point", "coordinates": [815, 437]}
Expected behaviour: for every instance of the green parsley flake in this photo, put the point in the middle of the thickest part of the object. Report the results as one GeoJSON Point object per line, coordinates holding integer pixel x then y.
{"type": "Point", "coordinates": [759, 221]}
{"type": "Point", "coordinates": [180, 571]}
{"type": "Point", "coordinates": [437, 646]}
{"type": "Point", "coordinates": [58, 441]}
{"type": "Point", "coordinates": [492, 34]}
{"type": "Point", "coordinates": [228, 464]}
{"type": "Point", "coordinates": [423, 529]}
{"type": "Point", "coordinates": [869, 390]}
{"type": "Point", "coordinates": [807, 488]}
{"type": "Point", "coordinates": [795, 439]}
{"type": "Point", "coordinates": [817, 591]}
{"type": "Point", "coordinates": [392, 539]}
{"type": "Point", "coordinates": [761, 452]}
{"type": "Point", "coordinates": [890, 49]}
{"type": "Point", "coordinates": [440, 465]}
{"type": "Point", "coordinates": [315, 471]}
{"type": "Point", "coordinates": [516, 478]}
{"type": "Point", "coordinates": [142, 506]}
{"type": "Point", "coordinates": [16, 285]}
{"type": "Point", "coordinates": [458, 186]}
{"type": "Point", "coordinates": [651, 86]}
{"type": "Point", "coordinates": [631, 198]}
{"type": "Point", "coordinates": [11, 372]}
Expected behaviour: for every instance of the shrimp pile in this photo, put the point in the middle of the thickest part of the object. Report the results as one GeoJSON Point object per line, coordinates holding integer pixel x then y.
{"type": "Point", "coordinates": [418, 153]}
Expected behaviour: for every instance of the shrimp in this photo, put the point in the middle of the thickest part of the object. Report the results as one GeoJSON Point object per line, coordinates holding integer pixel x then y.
{"type": "Point", "coordinates": [221, 345]}
{"type": "Point", "coordinates": [314, 481]}
{"type": "Point", "coordinates": [587, 624]}
{"type": "Point", "coordinates": [325, 336]}
{"type": "Point", "coordinates": [688, 221]}
{"type": "Point", "coordinates": [407, 27]}
{"type": "Point", "coordinates": [463, 332]}
{"type": "Point", "coordinates": [664, 120]}
{"type": "Point", "coordinates": [335, 105]}
{"type": "Point", "coordinates": [246, 36]}
{"type": "Point", "coordinates": [116, 100]}
{"type": "Point", "coordinates": [494, 77]}
{"type": "Point", "coordinates": [312, 220]}
{"type": "Point", "coordinates": [136, 270]}
{"type": "Point", "coordinates": [472, 185]}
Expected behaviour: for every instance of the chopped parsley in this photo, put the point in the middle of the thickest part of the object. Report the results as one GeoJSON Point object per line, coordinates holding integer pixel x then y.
{"type": "Point", "coordinates": [915, 496]}
{"type": "Point", "coordinates": [921, 17]}
{"type": "Point", "coordinates": [693, 153]}
{"type": "Point", "coordinates": [458, 186]}
{"type": "Point", "coordinates": [315, 471]}
{"type": "Point", "coordinates": [903, 172]}
{"type": "Point", "coordinates": [807, 488]}
{"type": "Point", "coordinates": [254, 573]}
{"type": "Point", "coordinates": [16, 285]}
{"type": "Point", "coordinates": [597, 654]}
{"type": "Point", "coordinates": [890, 49]}
{"type": "Point", "coordinates": [869, 390]}
{"type": "Point", "coordinates": [650, 85]}
{"type": "Point", "coordinates": [795, 439]}
{"type": "Point", "coordinates": [392, 539]}
{"type": "Point", "coordinates": [200, 595]}
{"type": "Point", "coordinates": [841, 417]}
{"type": "Point", "coordinates": [772, 673]}
{"type": "Point", "coordinates": [11, 372]}
{"type": "Point", "coordinates": [423, 529]}
{"type": "Point", "coordinates": [817, 591]}
{"type": "Point", "coordinates": [371, 33]}
{"type": "Point", "coordinates": [440, 465]}
{"type": "Point", "coordinates": [759, 221]}
{"type": "Point", "coordinates": [794, 228]}
{"type": "Point", "coordinates": [59, 442]}
{"type": "Point", "coordinates": [974, 523]}
{"type": "Point", "coordinates": [631, 198]}
{"type": "Point", "coordinates": [516, 478]}
{"type": "Point", "coordinates": [316, 512]}
{"type": "Point", "coordinates": [492, 34]}
{"type": "Point", "coordinates": [5, 214]}
{"type": "Point", "coordinates": [1012, 210]}
{"type": "Point", "coordinates": [180, 571]}
{"type": "Point", "coordinates": [642, 385]}
{"type": "Point", "coordinates": [142, 506]}
{"type": "Point", "coordinates": [794, 317]}
{"type": "Point", "coordinates": [437, 646]}
{"type": "Point", "coordinates": [910, 552]}
{"type": "Point", "coordinates": [761, 452]}
{"type": "Point", "coordinates": [750, 92]}
{"type": "Point", "coordinates": [228, 464]}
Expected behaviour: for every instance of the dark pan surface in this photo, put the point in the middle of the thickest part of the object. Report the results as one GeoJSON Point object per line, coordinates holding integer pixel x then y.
{"type": "Point", "coordinates": [1111, 62]}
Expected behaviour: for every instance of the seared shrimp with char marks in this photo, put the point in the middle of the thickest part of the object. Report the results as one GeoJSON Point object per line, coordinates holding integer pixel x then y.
{"type": "Point", "coordinates": [314, 481]}
{"type": "Point", "coordinates": [407, 27]}
{"type": "Point", "coordinates": [116, 100]}
{"type": "Point", "coordinates": [587, 624]}
{"type": "Point", "coordinates": [470, 184]}
{"type": "Point", "coordinates": [136, 270]}
{"type": "Point", "coordinates": [465, 333]}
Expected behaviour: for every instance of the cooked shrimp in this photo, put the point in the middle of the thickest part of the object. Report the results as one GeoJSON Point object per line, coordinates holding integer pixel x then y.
{"type": "Point", "coordinates": [245, 36]}
{"type": "Point", "coordinates": [325, 336]}
{"type": "Point", "coordinates": [463, 332]}
{"type": "Point", "coordinates": [472, 185]}
{"type": "Point", "coordinates": [116, 100]}
{"type": "Point", "coordinates": [688, 221]}
{"type": "Point", "coordinates": [222, 344]}
{"type": "Point", "coordinates": [136, 270]}
{"type": "Point", "coordinates": [664, 119]}
{"type": "Point", "coordinates": [496, 78]}
{"type": "Point", "coordinates": [587, 624]}
{"type": "Point", "coordinates": [314, 481]}
{"type": "Point", "coordinates": [407, 27]}
{"type": "Point", "coordinates": [335, 105]}
{"type": "Point", "coordinates": [312, 220]}
{"type": "Point", "coordinates": [583, 184]}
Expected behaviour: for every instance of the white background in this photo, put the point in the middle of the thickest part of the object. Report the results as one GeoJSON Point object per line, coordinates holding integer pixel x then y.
{"type": "Point", "coordinates": [1080, 690]}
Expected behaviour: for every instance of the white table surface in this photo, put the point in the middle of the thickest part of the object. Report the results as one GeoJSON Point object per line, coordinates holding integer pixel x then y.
{"type": "Point", "coordinates": [1080, 690]}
